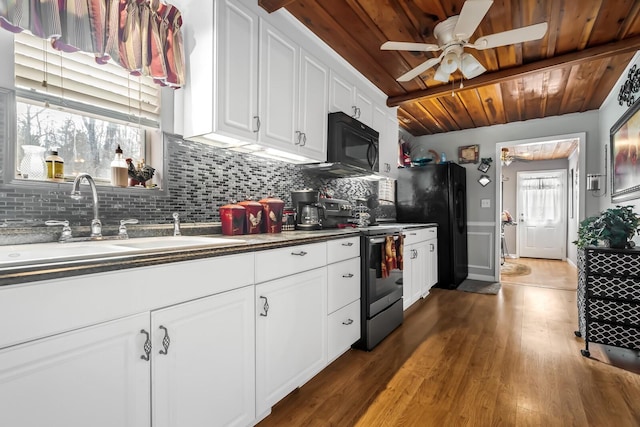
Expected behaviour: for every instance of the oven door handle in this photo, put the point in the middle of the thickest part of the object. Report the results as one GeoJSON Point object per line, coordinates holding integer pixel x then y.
{"type": "Point", "coordinates": [374, 240]}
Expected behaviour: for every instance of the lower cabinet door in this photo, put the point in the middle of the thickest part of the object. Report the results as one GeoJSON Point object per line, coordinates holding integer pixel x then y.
{"type": "Point", "coordinates": [343, 329]}
{"type": "Point", "coordinates": [93, 376]}
{"type": "Point", "coordinates": [203, 361]}
{"type": "Point", "coordinates": [291, 334]}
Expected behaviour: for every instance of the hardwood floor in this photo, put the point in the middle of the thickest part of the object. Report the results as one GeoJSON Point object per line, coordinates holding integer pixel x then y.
{"type": "Point", "coordinates": [549, 273]}
{"type": "Point", "coordinates": [463, 359]}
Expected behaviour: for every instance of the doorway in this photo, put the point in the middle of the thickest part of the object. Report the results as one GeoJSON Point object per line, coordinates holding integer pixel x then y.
{"type": "Point", "coordinates": [523, 155]}
{"type": "Point", "coordinates": [542, 214]}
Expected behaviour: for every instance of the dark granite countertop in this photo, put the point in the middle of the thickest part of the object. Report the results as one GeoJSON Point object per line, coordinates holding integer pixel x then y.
{"type": "Point", "coordinates": [12, 274]}
{"type": "Point", "coordinates": [55, 269]}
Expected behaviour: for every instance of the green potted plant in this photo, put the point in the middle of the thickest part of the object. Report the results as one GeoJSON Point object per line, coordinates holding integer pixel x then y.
{"type": "Point", "coordinates": [614, 228]}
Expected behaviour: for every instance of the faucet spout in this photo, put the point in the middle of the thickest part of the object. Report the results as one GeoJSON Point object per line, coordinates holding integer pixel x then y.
{"type": "Point", "coordinates": [96, 225]}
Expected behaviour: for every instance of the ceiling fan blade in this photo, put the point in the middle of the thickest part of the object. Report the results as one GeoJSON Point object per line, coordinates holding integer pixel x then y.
{"type": "Point", "coordinates": [418, 70]}
{"type": "Point", "coordinates": [414, 47]}
{"type": "Point", "coordinates": [519, 35]}
{"type": "Point", "coordinates": [441, 75]}
{"type": "Point", "coordinates": [470, 16]}
{"type": "Point", "coordinates": [470, 66]}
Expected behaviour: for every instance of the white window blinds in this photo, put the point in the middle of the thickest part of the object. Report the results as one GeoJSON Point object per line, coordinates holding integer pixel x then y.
{"type": "Point", "coordinates": [75, 81]}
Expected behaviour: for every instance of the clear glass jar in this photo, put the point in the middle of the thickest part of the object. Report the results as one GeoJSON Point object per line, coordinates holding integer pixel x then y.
{"type": "Point", "coordinates": [32, 165]}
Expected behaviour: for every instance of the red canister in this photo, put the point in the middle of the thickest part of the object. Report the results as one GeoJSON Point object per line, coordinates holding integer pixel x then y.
{"type": "Point", "coordinates": [232, 217]}
{"type": "Point", "coordinates": [254, 215]}
{"type": "Point", "coordinates": [272, 208]}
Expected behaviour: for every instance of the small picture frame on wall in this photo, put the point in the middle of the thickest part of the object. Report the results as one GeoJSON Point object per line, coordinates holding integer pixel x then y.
{"type": "Point", "coordinates": [485, 164]}
{"type": "Point", "coordinates": [468, 154]}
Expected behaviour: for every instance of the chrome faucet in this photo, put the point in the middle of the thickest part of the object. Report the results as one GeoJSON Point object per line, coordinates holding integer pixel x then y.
{"type": "Point", "coordinates": [176, 224]}
{"type": "Point", "coordinates": [96, 225]}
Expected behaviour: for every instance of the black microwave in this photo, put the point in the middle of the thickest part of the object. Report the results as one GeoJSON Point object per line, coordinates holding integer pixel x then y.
{"type": "Point", "coordinates": [352, 143]}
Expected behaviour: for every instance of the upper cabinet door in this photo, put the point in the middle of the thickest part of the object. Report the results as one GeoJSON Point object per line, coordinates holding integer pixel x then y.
{"type": "Point", "coordinates": [342, 95]}
{"type": "Point", "coordinates": [237, 90]}
{"type": "Point", "coordinates": [279, 66]}
{"type": "Point", "coordinates": [364, 109]}
{"type": "Point", "coordinates": [313, 115]}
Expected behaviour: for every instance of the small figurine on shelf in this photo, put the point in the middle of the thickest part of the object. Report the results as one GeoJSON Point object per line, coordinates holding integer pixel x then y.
{"type": "Point", "coordinates": [139, 175]}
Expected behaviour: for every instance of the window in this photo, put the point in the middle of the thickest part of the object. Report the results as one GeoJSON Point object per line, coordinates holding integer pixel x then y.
{"type": "Point", "coordinates": [67, 102]}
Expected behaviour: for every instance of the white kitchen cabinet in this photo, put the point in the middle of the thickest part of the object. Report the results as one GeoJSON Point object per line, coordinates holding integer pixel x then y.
{"type": "Point", "coordinates": [386, 123]}
{"type": "Point", "coordinates": [81, 360]}
{"type": "Point", "coordinates": [93, 376]}
{"type": "Point", "coordinates": [203, 361]}
{"type": "Point", "coordinates": [291, 331]}
{"type": "Point", "coordinates": [221, 94]}
{"type": "Point", "coordinates": [420, 264]}
{"type": "Point", "coordinates": [293, 96]}
{"type": "Point", "coordinates": [346, 96]}
{"type": "Point", "coordinates": [432, 270]}
{"type": "Point", "coordinates": [344, 289]}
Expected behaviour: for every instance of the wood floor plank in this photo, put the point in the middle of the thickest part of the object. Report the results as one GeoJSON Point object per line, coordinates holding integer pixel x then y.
{"type": "Point", "coordinates": [464, 359]}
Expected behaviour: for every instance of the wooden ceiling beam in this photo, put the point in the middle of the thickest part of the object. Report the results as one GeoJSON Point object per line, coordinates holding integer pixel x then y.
{"type": "Point", "coordinates": [273, 5]}
{"type": "Point", "coordinates": [562, 61]}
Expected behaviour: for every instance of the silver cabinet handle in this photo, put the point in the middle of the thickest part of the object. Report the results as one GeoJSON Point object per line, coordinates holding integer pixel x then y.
{"type": "Point", "coordinates": [265, 307]}
{"type": "Point", "coordinates": [347, 322]}
{"type": "Point", "coordinates": [257, 124]}
{"type": "Point", "coordinates": [147, 345]}
{"type": "Point", "coordinates": [348, 275]}
{"type": "Point", "coordinates": [304, 139]}
{"type": "Point", "coordinates": [298, 137]}
{"type": "Point", "coordinates": [301, 253]}
{"type": "Point", "coordinates": [355, 112]}
{"type": "Point", "coordinates": [348, 244]}
{"type": "Point", "coordinates": [166, 341]}
{"type": "Point", "coordinates": [432, 247]}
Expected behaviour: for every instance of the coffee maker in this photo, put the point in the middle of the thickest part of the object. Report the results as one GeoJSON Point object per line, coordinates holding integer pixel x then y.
{"type": "Point", "coordinates": [308, 212]}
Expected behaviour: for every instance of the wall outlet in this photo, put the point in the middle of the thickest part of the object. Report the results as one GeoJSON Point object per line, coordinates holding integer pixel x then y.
{"type": "Point", "coordinates": [485, 203]}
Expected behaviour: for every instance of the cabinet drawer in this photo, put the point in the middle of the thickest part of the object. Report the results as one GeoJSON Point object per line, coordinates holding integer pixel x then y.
{"type": "Point", "coordinates": [627, 313]}
{"type": "Point", "coordinates": [341, 249]}
{"type": "Point", "coordinates": [616, 335]}
{"type": "Point", "coordinates": [414, 235]}
{"type": "Point", "coordinates": [282, 262]}
{"type": "Point", "coordinates": [624, 288]}
{"type": "Point", "coordinates": [619, 263]}
{"type": "Point", "coordinates": [344, 283]}
{"type": "Point", "coordinates": [343, 329]}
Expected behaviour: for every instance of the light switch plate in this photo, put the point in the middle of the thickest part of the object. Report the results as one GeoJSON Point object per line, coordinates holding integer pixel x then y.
{"type": "Point", "coordinates": [486, 203]}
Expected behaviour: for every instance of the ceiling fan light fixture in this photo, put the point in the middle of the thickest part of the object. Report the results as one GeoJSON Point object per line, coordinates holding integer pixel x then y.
{"type": "Point", "coordinates": [441, 75]}
{"type": "Point", "coordinates": [470, 66]}
{"type": "Point", "coordinates": [450, 62]}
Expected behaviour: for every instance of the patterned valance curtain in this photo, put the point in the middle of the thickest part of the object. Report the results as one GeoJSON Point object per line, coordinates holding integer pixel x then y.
{"type": "Point", "coordinates": [142, 36]}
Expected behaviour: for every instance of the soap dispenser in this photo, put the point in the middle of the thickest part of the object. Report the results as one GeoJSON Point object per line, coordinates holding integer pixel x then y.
{"type": "Point", "coordinates": [119, 170]}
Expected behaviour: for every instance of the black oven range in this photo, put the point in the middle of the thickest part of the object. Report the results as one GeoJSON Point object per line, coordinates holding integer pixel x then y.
{"type": "Point", "coordinates": [381, 252]}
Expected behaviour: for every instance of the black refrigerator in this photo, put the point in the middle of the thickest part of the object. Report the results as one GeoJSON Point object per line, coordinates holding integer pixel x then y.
{"type": "Point", "coordinates": [436, 193]}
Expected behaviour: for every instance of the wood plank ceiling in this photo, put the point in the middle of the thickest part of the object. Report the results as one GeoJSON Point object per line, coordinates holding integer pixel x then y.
{"type": "Point", "coordinates": [571, 69]}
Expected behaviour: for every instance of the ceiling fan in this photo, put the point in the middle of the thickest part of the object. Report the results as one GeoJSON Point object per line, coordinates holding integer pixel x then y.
{"type": "Point", "coordinates": [507, 157]}
{"type": "Point", "coordinates": [453, 36]}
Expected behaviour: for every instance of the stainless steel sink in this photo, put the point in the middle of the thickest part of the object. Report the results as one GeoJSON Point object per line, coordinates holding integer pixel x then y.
{"type": "Point", "coordinates": [177, 242]}
{"type": "Point", "coordinates": [39, 253]}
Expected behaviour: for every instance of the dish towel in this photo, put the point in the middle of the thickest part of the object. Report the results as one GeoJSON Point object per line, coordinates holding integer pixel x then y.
{"type": "Point", "coordinates": [389, 261]}
{"type": "Point", "coordinates": [400, 252]}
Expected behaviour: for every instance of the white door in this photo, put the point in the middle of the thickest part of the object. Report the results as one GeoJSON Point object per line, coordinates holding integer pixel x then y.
{"type": "Point", "coordinates": [93, 376]}
{"type": "Point", "coordinates": [542, 214]}
{"type": "Point", "coordinates": [204, 362]}
{"type": "Point", "coordinates": [291, 334]}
